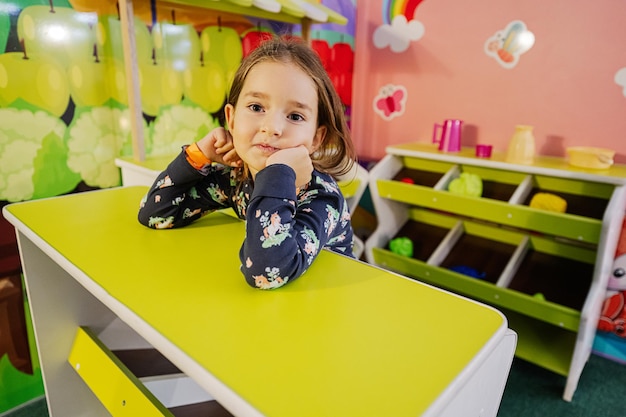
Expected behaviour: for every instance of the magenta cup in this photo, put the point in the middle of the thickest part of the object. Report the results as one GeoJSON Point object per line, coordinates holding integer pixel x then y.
{"type": "Point", "coordinates": [483, 151]}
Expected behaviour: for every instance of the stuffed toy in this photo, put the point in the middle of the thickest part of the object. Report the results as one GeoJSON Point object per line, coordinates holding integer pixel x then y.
{"type": "Point", "coordinates": [613, 315]}
{"type": "Point", "coordinates": [549, 201]}
{"type": "Point", "coordinates": [467, 184]}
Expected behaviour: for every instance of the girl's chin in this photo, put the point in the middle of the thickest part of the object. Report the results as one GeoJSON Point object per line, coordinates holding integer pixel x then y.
{"type": "Point", "coordinates": [254, 169]}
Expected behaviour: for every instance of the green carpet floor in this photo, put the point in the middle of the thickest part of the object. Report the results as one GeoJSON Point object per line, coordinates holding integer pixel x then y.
{"type": "Point", "coordinates": [530, 392]}
{"type": "Point", "coordinates": [535, 392]}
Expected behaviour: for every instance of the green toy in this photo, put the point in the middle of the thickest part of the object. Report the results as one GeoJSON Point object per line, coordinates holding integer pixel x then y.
{"type": "Point", "coordinates": [467, 184]}
{"type": "Point", "coordinates": [540, 296]}
{"type": "Point", "coordinates": [402, 246]}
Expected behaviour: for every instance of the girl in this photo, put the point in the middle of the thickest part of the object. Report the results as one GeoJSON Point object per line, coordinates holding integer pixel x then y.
{"type": "Point", "coordinates": [287, 140]}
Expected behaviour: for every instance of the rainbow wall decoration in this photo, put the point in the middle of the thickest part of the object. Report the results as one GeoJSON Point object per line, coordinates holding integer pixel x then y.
{"type": "Point", "coordinates": [393, 8]}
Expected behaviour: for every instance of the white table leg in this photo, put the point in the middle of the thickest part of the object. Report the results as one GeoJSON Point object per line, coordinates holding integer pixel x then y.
{"type": "Point", "coordinates": [59, 304]}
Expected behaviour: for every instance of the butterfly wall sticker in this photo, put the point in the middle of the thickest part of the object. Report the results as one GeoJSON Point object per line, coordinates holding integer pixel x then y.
{"type": "Point", "coordinates": [390, 101]}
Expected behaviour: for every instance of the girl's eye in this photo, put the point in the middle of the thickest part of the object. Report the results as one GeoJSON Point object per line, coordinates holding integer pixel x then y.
{"type": "Point", "coordinates": [255, 107]}
{"type": "Point", "coordinates": [296, 117]}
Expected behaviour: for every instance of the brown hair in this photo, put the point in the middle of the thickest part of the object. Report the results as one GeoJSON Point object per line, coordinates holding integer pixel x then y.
{"type": "Point", "coordinates": [336, 153]}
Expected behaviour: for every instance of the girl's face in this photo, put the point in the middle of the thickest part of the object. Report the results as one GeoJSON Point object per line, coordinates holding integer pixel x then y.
{"type": "Point", "coordinates": [277, 109]}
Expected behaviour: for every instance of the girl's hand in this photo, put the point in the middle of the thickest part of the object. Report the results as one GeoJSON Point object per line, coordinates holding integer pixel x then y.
{"type": "Point", "coordinates": [218, 146]}
{"type": "Point", "coordinates": [298, 159]}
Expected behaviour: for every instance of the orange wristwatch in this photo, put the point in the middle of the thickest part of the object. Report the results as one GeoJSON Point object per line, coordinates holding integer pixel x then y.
{"type": "Point", "coordinates": [195, 157]}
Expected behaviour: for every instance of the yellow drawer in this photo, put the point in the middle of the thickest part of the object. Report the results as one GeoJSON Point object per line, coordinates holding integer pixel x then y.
{"type": "Point", "coordinates": [121, 392]}
{"type": "Point", "coordinates": [349, 187]}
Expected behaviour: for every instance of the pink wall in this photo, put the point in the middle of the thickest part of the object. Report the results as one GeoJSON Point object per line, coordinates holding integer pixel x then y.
{"type": "Point", "coordinates": [564, 85]}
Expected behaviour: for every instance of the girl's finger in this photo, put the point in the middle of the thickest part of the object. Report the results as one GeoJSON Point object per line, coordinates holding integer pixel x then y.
{"type": "Point", "coordinates": [226, 147]}
{"type": "Point", "coordinates": [232, 158]}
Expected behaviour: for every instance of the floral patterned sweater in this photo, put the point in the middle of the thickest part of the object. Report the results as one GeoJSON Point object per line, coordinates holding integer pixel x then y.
{"type": "Point", "coordinates": [284, 231]}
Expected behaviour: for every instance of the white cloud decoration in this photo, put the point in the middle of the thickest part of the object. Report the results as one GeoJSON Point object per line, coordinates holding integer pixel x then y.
{"type": "Point", "coordinates": [399, 35]}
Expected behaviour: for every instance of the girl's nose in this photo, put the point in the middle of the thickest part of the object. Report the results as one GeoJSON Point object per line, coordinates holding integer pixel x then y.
{"type": "Point", "coordinates": [272, 125]}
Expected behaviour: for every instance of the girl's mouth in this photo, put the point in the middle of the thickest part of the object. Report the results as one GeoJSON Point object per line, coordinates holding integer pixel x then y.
{"type": "Point", "coordinates": [266, 148]}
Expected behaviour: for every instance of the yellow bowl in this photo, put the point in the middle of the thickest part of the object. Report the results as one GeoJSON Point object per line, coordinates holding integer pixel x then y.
{"type": "Point", "coordinates": [590, 157]}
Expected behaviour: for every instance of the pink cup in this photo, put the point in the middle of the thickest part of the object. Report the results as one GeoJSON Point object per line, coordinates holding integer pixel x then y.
{"type": "Point", "coordinates": [483, 151]}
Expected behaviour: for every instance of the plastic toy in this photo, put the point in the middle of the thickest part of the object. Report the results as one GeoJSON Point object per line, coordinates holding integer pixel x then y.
{"type": "Point", "coordinates": [521, 148]}
{"type": "Point", "coordinates": [540, 296]}
{"type": "Point", "coordinates": [469, 271]}
{"type": "Point", "coordinates": [402, 246]}
{"type": "Point", "coordinates": [450, 138]}
{"type": "Point", "coordinates": [467, 184]}
{"type": "Point", "coordinates": [590, 157]}
{"type": "Point", "coordinates": [548, 201]}
{"type": "Point", "coordinates": [407, 180]}
{"type": "Point", "coordinates": [613, 315]}
{"type": "Point", "coordinates": [484, 151]}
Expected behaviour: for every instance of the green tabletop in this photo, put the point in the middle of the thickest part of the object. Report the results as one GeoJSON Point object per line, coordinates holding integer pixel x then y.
{"type": "Point", "coordinates": [346, 338]}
